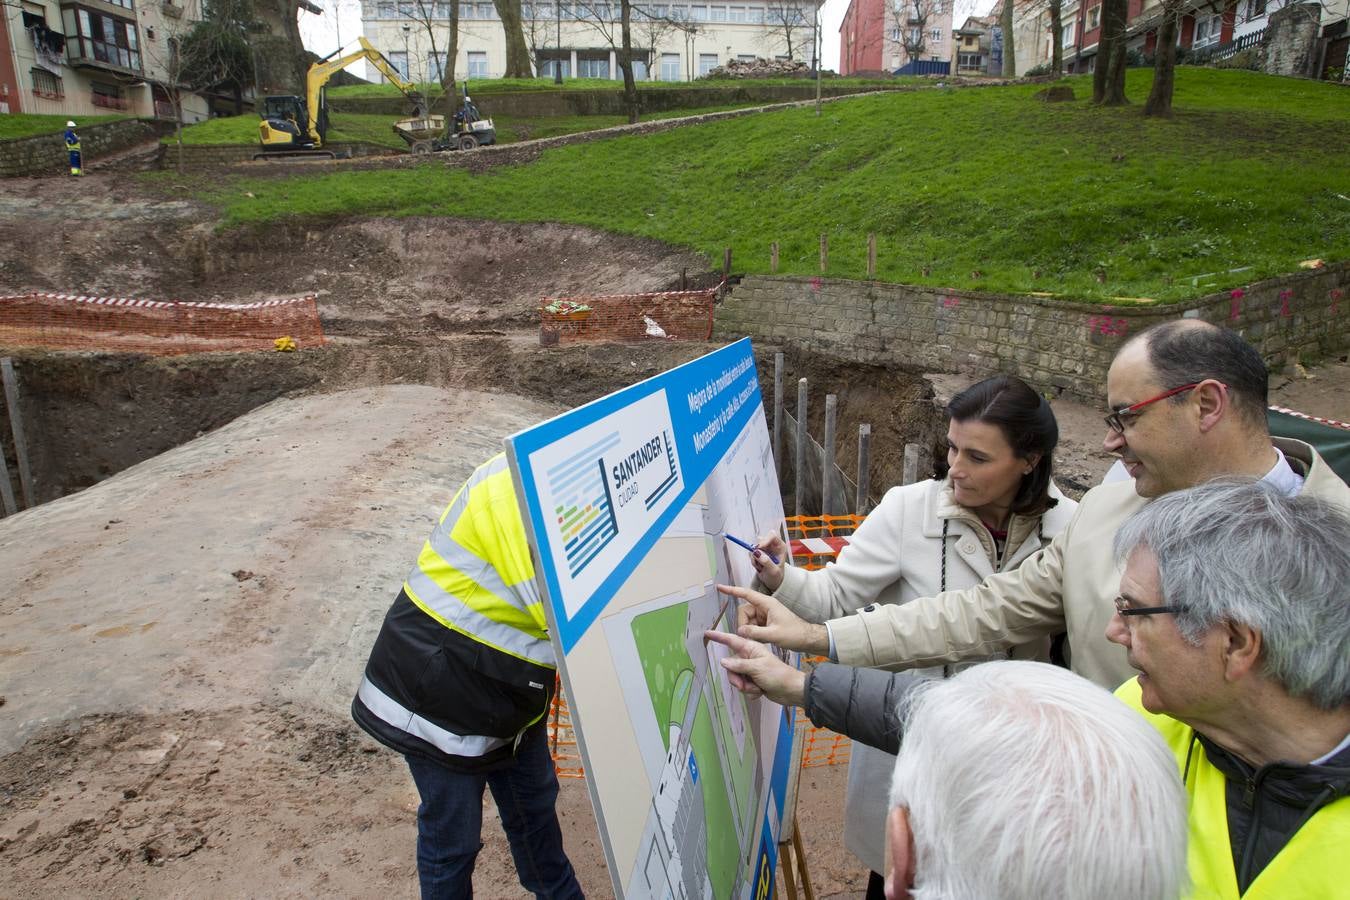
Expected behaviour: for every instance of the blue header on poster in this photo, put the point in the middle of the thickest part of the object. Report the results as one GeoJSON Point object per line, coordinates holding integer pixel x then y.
{"type": "Point", "coordinates": [603, 482]}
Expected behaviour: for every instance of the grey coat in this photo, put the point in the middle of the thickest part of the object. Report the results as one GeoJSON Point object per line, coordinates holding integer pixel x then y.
{"type": "Point", "coordinates": [863, 704]}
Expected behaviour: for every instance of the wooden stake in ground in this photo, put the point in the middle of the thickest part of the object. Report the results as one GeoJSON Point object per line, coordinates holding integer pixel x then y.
{"type": "Point", "coordinates": [827, 473]}
{"type": "Point", "coordinates": [871, 256]}
{"type": "Point", "coordinates": [777, 414]}
{"type": "Point", "coordinates": [864, 469]}
{"type": "Point", "coordinates": [773, 258]}
{"type": "Point", "coordinates": [799, 477]}
{"type": "Point", "coordinates": [824, 252]}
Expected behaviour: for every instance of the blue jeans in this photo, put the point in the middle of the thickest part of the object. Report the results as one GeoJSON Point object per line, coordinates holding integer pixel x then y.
{"type": "Point", "coordinates": [450, 822]}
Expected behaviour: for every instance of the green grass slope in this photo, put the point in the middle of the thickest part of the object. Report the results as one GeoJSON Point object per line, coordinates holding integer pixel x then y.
{"type": "Point", "coordinates": [22, 125]}
{"type": "Point", "coordinates": [976, 188]}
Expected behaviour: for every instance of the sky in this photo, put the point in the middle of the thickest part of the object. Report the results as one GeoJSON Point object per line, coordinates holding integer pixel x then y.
{"type": "Point", "coordinates": [341, 23]}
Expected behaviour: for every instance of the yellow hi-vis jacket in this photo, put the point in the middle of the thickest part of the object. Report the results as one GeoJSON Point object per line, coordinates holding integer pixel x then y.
{"type": "Point", "coordinates": [463, 663]}
{"type": "Point", "coordinates": [1315, 863]}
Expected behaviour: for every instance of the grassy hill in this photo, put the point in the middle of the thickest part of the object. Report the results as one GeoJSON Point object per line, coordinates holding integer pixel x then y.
{"type": "Point", "coordinates": [982, 188]}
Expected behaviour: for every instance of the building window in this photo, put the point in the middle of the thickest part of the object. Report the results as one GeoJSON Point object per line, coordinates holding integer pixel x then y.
{"type": "Point", "coordinates": [1255, 9]}
{"type": "Point", "coordinates": [745, 57]}
{"type": "Point", "coordinates": [639, 70]}
{"type": "Point", "coordinates": [47, 85]}
{"type": "Point", "coordinates": [486, 11]}
{"type": "Point", "coordinates": [594, 67]}
{"type": "Point", "coordinates": [466, 10]}
{"type": "Point", "coordinates": [386, 11]}
{"type": "Point", "coordinates": [706, 63]}
{"type": "Point", "coordinates": [399, 60]}
{"type": "Point", "coordinates": [442, 10]}
{"type": "Point", "coordinates": [1094, 17]}
{"type": "Point", "coordinates": [755, 15]}
{"type": "Point", "coordinates": [670, 67]}
{"type": "Point", "coordinates": [1207, 31]}
{"type": "Point", "coordinates": [718, 13]}
{"type": "Point", "coordinates": [437, 62]}
{"type": "Point", "coordinates": [1068, 36]}
{"type": "Point", "coordinates": [547, 67]}
{"type": "Point", "coordinates": [935, 35]}
{"type": "Point", "coordinates": [93, 36]}
{"type": "Point", "coordinates": [736, 14]}
{"type": "Point", "coordinates": [968, 61]}
{"type": "Point", "coordinates": [478, 64]}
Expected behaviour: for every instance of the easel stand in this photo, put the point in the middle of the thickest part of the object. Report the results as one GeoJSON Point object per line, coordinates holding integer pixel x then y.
{"type": "Point", "coordinates": [786, 851]}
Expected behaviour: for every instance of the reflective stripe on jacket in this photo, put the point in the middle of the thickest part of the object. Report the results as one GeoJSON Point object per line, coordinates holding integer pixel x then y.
{"type": "Point", "coordinates": [463, 663]}
{"type": "Point", "coordinates": [72, 140]}
{"type": "Point", "coordinates": [1312, 864]}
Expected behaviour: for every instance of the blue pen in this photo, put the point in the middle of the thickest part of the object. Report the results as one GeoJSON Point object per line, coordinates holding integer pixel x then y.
{"type": "Point", "coordinates": [751, 547]}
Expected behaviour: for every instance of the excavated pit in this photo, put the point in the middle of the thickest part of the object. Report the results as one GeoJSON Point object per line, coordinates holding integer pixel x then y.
{"type": "Point", "coordinates": [442, 302]}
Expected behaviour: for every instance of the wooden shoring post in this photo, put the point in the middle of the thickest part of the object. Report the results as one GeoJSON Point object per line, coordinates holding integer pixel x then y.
{"type": "Point", "coordinates": [16, 426]}
{"type": "Point", "coordinates": [864, 469]}
{"type": "Point", "coordinates": [773, 258]}
{"type": "Point", "coordinates": [684, 279]}
{"type": "Point", "coordinates": [778, 412]}
{"type": "Point", "coordinates": [799, 477]}
{"type": "Point", "coordinates": [726, 263]}
{"type": "Point", "coordinates": [824, 252]}
{"type": "Point", "coordinates": [871, 255]}
{"type": "Point", "coordinates": [808, 889]}
{"type": "Point", "coordinates": [6, 489]}
{"type": "Point", "coordinates": [910, 472]}
{"type": "Point", "coordinates": [827, 470]}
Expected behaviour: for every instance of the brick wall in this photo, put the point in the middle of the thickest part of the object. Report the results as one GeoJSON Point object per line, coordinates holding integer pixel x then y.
{"type": "Point", "coordinates": [160, 327]}
{"type": "Point", "coordinates": [45, 154]}
{"type": "Point", "coordinates": [1052, 343]}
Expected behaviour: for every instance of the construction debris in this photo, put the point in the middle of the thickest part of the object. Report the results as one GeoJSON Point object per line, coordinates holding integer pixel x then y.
{"type": "Point", "coordinates": [761, 68]}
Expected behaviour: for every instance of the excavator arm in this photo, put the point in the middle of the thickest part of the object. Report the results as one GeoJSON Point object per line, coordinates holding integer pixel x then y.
{"type": "Point", "coordinates": [322, 71]}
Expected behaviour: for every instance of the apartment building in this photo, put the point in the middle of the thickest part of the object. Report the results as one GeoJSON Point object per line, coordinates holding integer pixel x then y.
{"type": "Point", "coordinates": [671, 41]}
{"type": "Point", "coordinates": [94, 57]}
{"type": "Point", "coordinates": [1206, 25]}
{"type": "Point", "coordinates": [900, 36]}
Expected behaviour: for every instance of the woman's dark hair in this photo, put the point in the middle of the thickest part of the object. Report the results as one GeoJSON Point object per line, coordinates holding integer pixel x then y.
{"type": "Point", "coordinates": [1028, 425]}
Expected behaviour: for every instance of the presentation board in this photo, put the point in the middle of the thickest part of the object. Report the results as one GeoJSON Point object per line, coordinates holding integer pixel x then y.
{"type": "Point", "coordinates": [627, 500]}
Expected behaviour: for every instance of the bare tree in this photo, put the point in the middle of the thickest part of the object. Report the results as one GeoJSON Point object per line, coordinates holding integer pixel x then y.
{"type": "Point", "coordinates": [689, 30]}
{"type": "Point", "coordinates": [171, 64]}
{"type": "Point", "coordinates": [599, 15]}
{"type": "Point", "coordinates": [786, 21]}
{"type": "Point", "coordinates": [427, 15]}
{"type": "Point", "coordinates": [1108, 76]}
{"type": "Point", "coordinates": [652, 30]}
{"type": "Point", "coordinates": [540, 31]}
{"type": "Point", "coordinates": [911, 21]}
{"type": "Point", "coordinates": [517, 53]}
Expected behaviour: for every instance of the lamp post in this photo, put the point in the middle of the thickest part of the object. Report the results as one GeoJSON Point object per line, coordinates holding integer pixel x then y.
{"type": "Point", "coordinates": [407, 60]}
{"type": "Point", "coordinates": [557, 63]}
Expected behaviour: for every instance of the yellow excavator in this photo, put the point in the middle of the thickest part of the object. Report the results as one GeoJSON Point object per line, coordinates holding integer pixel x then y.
{"type": "Point", "coordinates": [297, 126]}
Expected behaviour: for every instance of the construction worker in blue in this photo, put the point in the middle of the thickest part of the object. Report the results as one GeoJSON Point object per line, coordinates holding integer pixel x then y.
{"type": "Point", "coordinates": [460, 681]}
{"type": "Point", "coordinates": [73, 148]}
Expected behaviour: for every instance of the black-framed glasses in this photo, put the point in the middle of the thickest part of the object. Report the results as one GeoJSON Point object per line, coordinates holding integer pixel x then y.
{"type": "Point", "coordinates": [1117, 418]}
{"type": "Point", "coordinates": [1125, 609]}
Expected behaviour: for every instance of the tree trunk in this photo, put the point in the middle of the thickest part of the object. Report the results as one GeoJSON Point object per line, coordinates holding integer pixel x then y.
{"type": "Point", "coordinates": [1114, 94]}
{"type": "Point", "coordinates": [1103, 59]}
{"type": "Point", "coordinates": [517, 52]}
{"type": "Point", "coordinates": [1164, 65]}
{"type": "Point", "coordinates": [451, 54]}
{"type": "Point", "coordinates": [1009, 57]}
{"type": "Point", "coordinates": [630, 94]}
{"type": "Point", "coordinates": [1056, 41]}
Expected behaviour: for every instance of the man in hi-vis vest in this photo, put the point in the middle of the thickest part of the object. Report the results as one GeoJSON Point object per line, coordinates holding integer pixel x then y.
{"type": "Point", "coordinates": [460, 681]}
{"type": "Point", "coordinates": [73, 149]}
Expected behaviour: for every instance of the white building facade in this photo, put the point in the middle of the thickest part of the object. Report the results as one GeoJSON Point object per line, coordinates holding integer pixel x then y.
{"type": "Point", "coordinates": [671, 41]}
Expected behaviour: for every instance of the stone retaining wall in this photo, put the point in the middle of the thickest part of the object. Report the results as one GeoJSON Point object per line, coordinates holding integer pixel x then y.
{"type": "Point", "coordinates": [45, 154]}
{"type": "Point", "coordinates": [1054, 344]}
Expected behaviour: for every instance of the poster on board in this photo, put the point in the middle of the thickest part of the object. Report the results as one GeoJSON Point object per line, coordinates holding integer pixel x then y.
{"type": "Point", "coordinates": [628, 500]}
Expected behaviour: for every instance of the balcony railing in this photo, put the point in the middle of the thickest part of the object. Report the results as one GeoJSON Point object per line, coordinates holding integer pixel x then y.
{"type": "Point", "coordinates": [106, 102]}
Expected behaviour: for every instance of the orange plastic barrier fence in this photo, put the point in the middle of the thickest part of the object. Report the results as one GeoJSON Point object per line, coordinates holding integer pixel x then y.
{"type": "Point", "coordinates": [160, 327]}
{"type": "Point", "coordinates": [676, 315]}
{"type": "Point", "coordinates": [822, 747]}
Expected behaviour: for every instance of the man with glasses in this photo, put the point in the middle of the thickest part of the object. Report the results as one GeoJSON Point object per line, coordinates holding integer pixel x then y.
{"type": "Point", "coordinates": [1232, 608]}
{"type": "Point", "coordinates": [1188, 403]}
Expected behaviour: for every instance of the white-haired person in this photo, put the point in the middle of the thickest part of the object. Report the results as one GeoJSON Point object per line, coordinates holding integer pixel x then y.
{"type": "Point", "coordinates": [997, 507]}
{"type": "Point", "coordinates": [1233, 608]}
{"type": "Point", "coordinates": [1022, 780]}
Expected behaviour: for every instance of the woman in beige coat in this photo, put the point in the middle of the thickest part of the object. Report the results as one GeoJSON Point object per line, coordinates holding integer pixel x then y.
{"type": "Point", "coordinates": [996, 507]}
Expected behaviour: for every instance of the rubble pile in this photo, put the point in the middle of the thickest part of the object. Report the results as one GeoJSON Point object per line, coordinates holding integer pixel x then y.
{"type": "Point", "coordinates": [761, 68]}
